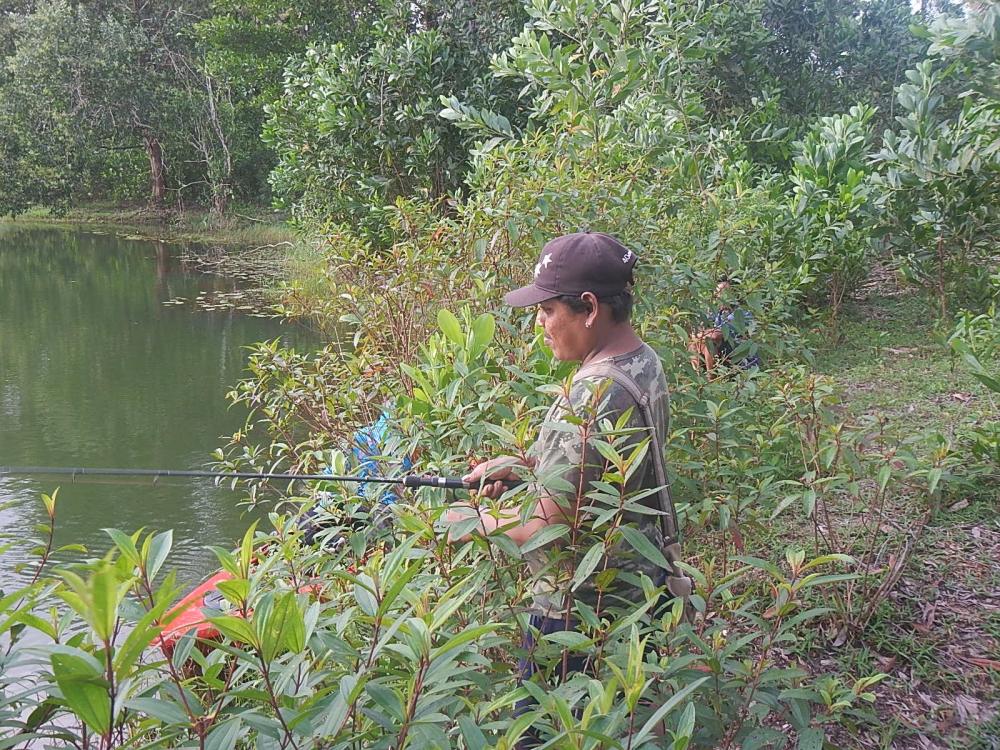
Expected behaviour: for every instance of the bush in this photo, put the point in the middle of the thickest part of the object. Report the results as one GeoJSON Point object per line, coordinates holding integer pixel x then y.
{"type": "Point", "coordinates": [392, 637]}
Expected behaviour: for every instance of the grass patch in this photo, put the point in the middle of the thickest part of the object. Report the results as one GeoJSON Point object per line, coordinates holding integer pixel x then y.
{"type": "Point", "coordinates": [892, 361]}
{"type": "Point", "coordinates": [937, 635]}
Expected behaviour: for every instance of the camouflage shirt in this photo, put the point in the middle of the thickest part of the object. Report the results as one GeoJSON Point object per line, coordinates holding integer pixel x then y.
{"type": "Point", "coordinates": [567, 469]}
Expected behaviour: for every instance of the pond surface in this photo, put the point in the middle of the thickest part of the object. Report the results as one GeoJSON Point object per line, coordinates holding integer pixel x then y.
{"type": "Point", "coordinates": [115, 353]}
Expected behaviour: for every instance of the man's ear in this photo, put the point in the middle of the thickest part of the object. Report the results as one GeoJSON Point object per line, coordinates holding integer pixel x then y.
{"type": "Point", "coordinates": [591, 299]}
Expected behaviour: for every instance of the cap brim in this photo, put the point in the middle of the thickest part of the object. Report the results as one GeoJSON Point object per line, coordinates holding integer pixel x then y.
{"type": "Point", "coordinates": [527, 296]}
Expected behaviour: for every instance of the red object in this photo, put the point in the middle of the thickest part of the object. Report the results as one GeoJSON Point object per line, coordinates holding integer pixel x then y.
{"type": "Point", "coordinates": [189, 614]}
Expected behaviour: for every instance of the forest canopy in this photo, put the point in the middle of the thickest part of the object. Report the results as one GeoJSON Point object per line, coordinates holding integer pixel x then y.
{"type": "Point", "coordinates": [332, 109]}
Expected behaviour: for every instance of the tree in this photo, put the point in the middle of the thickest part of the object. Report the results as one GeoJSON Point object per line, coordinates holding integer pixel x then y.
{"type": "Point", "coordinates": [87, 82]}
{"type": "Point", "coordinates": [357, 125]}
{"type": "Point", "coordinates": [941, 167]}
{"type": "Point", "coordinates": [246, 46]}
{"type": "Point", "coordinates": [91, 86]}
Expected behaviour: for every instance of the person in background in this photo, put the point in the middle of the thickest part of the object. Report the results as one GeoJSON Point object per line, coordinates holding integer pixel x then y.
{"type": "Point", "coordinates": [371, 447]}
{"type": "Point", "coordinates": [729, 326]}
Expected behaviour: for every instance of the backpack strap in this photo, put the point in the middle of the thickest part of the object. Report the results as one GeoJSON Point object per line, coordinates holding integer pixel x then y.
{"type": "Point", "coordinates": [677, 582]}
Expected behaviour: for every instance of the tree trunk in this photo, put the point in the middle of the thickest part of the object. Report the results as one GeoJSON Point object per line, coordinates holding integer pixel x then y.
{"type": "Point", "coordinates": [223, 172]}
{"type": "Point", "coordinates": [220, 201]}
{"type": "Point", "coordinates": [157, 180]}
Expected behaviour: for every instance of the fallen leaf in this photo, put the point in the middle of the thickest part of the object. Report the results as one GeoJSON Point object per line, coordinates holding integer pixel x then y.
{"type": "Point", "coordinates": [887, 663]}
{"type": "Point", "coordinates": [982, 661]}
{"type": "Point", "coordinates": [928, 620]}
{"type": "Point", "coordinates": [966, 708]}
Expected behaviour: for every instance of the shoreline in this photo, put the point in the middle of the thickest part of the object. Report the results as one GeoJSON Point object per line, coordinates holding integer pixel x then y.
{"type": "Point", "coordinates": [267, 229]}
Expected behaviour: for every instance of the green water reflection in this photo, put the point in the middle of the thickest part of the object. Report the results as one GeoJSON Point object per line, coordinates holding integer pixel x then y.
{"type": "Point", "coordinates": [95, 370]}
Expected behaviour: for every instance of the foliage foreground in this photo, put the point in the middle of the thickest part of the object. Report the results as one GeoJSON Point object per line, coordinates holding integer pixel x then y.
{"type": "Point", "coordinates": [384, 635]}
{"type": "Point", "coordinates": [802, 516]}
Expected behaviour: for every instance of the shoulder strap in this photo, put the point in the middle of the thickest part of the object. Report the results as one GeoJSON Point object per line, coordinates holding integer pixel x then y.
{"type": "Point", "coordinates": [607, 369]}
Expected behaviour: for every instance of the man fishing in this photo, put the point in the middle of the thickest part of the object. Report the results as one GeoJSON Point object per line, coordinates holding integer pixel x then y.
{"type": "Point", "coordinates": [582, 290]}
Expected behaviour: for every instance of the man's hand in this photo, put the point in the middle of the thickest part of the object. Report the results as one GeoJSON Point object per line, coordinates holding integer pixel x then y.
{"type": "Point", "coordinates": [490, 476]}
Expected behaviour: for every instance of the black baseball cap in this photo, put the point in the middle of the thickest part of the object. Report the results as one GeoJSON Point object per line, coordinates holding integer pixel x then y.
{"type": "Point", "coordinates": [576, 263]}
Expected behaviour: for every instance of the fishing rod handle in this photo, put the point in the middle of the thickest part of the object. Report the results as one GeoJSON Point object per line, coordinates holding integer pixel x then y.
{"type": "Point", "coordinates": [450, 483]}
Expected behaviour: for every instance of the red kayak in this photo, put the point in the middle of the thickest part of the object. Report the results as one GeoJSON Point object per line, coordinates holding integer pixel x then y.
{"type": "Point", "coordinates": [190, 613]}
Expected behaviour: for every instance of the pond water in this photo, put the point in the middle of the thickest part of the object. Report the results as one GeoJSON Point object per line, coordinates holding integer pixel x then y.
{"type": "Point", "coordinates": [115, 352]}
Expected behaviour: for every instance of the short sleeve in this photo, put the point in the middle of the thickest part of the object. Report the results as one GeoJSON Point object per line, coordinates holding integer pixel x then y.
{"type": "Point", "coordinates": [567, 466]}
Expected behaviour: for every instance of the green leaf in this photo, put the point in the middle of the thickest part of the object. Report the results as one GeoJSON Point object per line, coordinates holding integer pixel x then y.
{"type": "Point", "coordinates": [884, 475]}
{"type": "Point", "coordinates": [227, 560]}
{"type": "Point", "coordinates": [164, 711]}
{"type": "Point", "coordinates": [641, 544]}
{"type": "Point", "coordinates": [398, 585]}
{"type": "Point", "coordinates": [483, 330]}
{"type": "Point", "coordinates": [467, 635]}
{"type": "Point", "coordinates": [569, 638]}
{"type": "Point", "coordinates": [284, 628]}
{"type": "Point", "coordinates": [811, 739]}
{"type": "Point", "coordinates": [764, 737]}
{"type": "Point", "coordinates": [387, 698]}
{"type": "Point", "coordinates": [685, 727]}
{"type": "Point", "coordinates": [235, 629]}
{"type": "Point", "coordinates": [105, 591]}
{"type": "Point", "coordinates": [183, 650]}
{"type": "Point", "coordinates": [125, 545]}
{"type": "Point", "coordinates": [224, 736]}
{"type": "Point", "coordinates": [246, 550]}
{"type": "Point", "coordinates": [802, 694]}
{"type": "Point", "coordinates": [236, 590]}
{"type": "Point", "coordinates": [365, 599]}
{"type": "Point", "coordinates": [544, 536]}
{"type": "Point", "coordinates": [84, 688]}
{"type": "Point", "coordinates": [49, 501]}
{"type": "Point", "coordinates": [666, 708]}
{"type": "Point", "coordinates": [336, 713]}
{"type": "Point", "coordinates": [454, 598]}
{"type": "Point", "coordinates": [788, 500]}
{"type": "Point", "coordinates": [933, 478]}
{"type": "Point", "coordinates": [472, 734]}
{"type": "Point", "coordinates": [32, 621]}
{"type": "Point", "coordinates": [588, 564]}
{"type": "Point", "coordinates": [145, 630]}
{"type": "Point", "coordinates": [450, 327]}
{"type": "Point", "coordinates": [817, 579]}
{"type": "Point", "coordinates": [824, 559]}
{"type": "Point", "coordinates": [159, 549]}
{"type": "Point", "coordinates": [760, 564]}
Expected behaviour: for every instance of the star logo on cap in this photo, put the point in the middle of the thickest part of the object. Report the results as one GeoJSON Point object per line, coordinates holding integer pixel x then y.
{"type": "Point", "coordinates": [544, 263]}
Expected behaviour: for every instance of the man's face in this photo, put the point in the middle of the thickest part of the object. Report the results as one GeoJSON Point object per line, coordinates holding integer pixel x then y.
{"type": "Point", "coordinates": [565, 331]}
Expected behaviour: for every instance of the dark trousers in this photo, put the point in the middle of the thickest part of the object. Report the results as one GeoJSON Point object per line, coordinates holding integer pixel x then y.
{"type": "Point", "coordinates": [526, 666]}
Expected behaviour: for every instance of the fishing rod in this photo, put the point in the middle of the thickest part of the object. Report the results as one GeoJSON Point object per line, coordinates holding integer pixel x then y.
{"type": "Point", "coordinates": [408, 480]}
